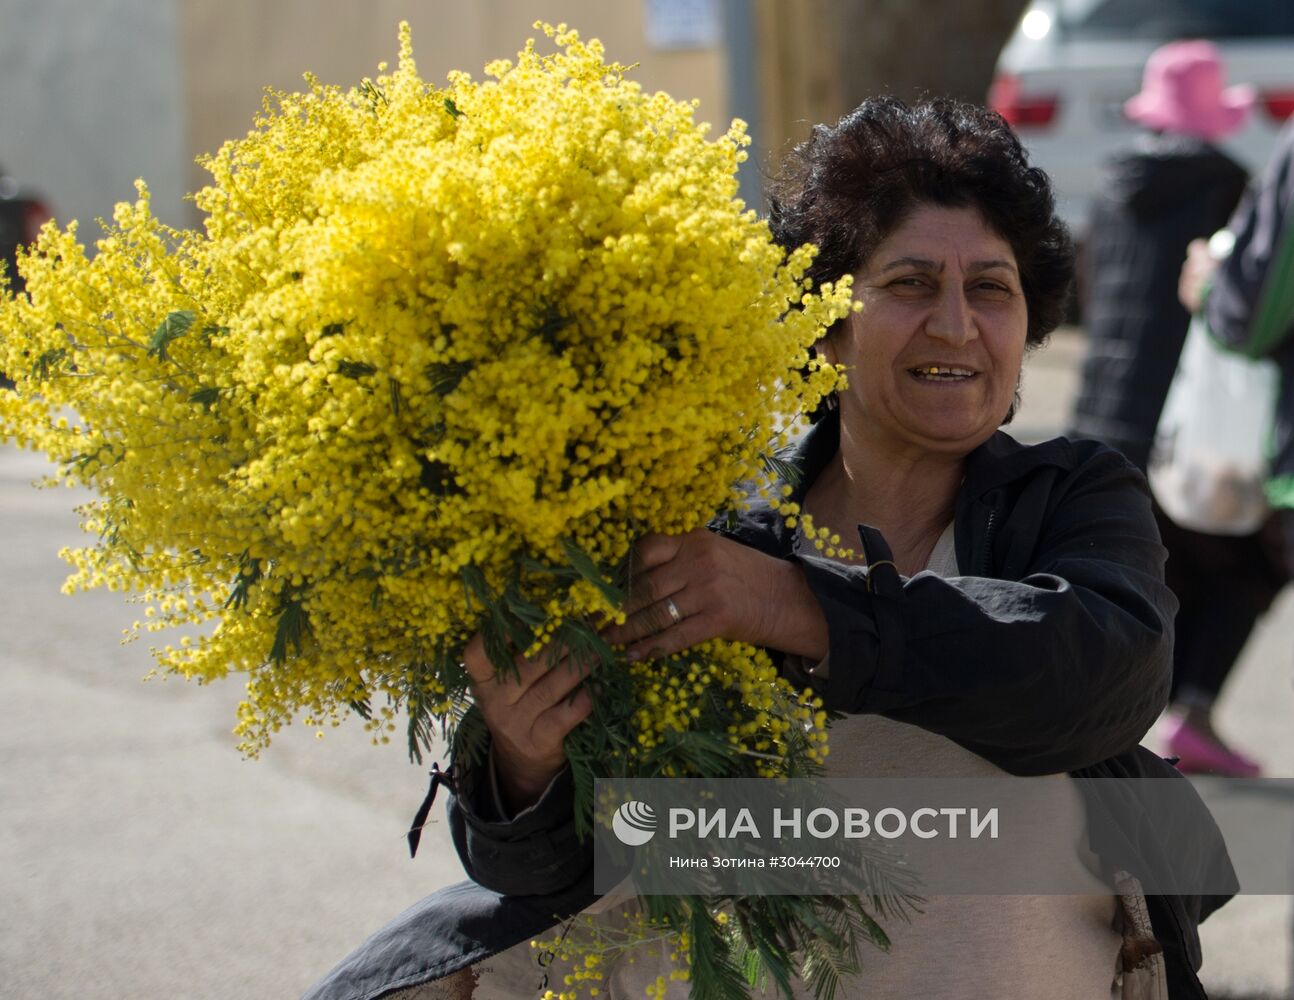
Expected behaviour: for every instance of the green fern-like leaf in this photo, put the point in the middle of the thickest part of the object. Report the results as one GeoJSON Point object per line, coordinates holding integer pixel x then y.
{"type": "Point", "coordinates": [176, 325]}
{"type": "Point", "coordinates": [471, 740]}
{"type": "Point", "coordinates": [783, 470]}
{"type": "Point", "coordinates": [445, 376]}
{"type": "Point", "coordinates": [589, 570]}
{"type": "Point", "coordinates": [714, 972]}
{"type": "Point", "coordinates": [207, 397]}
{"type": "Point", "coordinates": [293, 627]}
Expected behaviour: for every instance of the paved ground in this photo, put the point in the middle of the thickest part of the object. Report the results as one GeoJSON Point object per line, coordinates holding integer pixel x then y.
{"type": "Point", "coordinates": [140, 857]}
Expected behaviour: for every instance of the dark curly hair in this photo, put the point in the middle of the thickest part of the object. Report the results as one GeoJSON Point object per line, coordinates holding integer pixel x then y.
{"type": "Point", "coordinates": [848, 186]}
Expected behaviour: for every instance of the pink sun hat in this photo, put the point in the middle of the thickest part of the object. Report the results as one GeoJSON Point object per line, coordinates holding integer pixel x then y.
{"type": "Point", "coordinates": [1182, 92]}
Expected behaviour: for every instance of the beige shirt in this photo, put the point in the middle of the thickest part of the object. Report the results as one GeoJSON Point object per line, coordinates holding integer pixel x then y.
{"type": "Point", "coordinates": [982, 946]}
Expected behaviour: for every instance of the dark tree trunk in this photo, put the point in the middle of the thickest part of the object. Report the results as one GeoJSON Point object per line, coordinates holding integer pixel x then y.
{"type": "Point", "coordinates": [920, 48]}
{"type": "Point", "coordinates": [820, 58]}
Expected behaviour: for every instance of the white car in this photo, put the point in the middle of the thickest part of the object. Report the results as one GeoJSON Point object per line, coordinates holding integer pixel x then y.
{"type": "Point", "coordinates": [1064, 75]}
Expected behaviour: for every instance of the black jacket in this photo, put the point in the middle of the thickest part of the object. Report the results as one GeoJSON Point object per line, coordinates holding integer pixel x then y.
{"type": "Point", "coordinates": [1155, 199]}
{"type": "Point", "coordinates": [1052, 654]}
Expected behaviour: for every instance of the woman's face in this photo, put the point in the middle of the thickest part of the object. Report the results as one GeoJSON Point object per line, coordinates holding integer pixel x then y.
{"type": "Point", "coordinates": [934, 356]}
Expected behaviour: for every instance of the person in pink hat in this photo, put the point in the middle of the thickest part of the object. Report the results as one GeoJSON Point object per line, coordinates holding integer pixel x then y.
{"type": "Point", "coordinates": [1182, 93]}
{"type": "Point", "coordinates": [1173, 186]}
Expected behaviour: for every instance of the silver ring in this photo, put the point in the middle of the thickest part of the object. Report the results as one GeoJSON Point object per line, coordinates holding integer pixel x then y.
{"type": "Point", "coordinates": [675, 615]}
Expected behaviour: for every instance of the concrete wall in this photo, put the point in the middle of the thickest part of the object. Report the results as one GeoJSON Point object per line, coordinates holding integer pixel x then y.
{"type": "Point", "coordinates": [94, 93]}
{"type": "Point", "coordinates": [233, 49]}
{"type": "Point", "coordinates": [91, 97]}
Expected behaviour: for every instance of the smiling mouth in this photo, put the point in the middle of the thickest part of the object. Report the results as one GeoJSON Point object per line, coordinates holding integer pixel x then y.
{"type": "Point", "coordinates": [939, 373]}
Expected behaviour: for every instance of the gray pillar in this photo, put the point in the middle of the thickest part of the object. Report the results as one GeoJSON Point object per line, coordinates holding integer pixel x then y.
{"type": "Point", "coordinates": [743, 94]}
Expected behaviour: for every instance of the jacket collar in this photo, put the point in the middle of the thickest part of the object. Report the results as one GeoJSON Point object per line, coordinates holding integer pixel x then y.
{"type": "Point", "coordinates": [998, 462]}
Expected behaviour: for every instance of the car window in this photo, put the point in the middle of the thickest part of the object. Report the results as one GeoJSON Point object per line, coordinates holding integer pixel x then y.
{"type": "Point", "coordinates": [1165, 20]}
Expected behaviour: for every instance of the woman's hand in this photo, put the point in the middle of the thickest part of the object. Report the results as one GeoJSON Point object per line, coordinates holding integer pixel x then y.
{"type": "Point", "coordinates": [1196, 274]}
{"type": "Point", "coordinates": [699, 586]}
{"type": "Point", "coordinates": [529, 715]}
{"type": "Point", "coordinates": [718, 588]}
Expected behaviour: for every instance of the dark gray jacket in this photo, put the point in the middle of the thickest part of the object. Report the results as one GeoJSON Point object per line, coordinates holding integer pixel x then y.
{"type": "Point", "coordinates": [1155, 198]}
{"type": "Point", "coordinates": [1250, 306]}
{"type": "Point", "coordinates": [1051, 654]}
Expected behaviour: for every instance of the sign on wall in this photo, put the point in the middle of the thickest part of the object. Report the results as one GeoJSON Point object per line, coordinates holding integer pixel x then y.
{"type": "Point", "coordinates": [682, 24]}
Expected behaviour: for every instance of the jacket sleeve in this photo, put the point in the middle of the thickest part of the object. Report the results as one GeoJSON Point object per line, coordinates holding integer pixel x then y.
{"type": "Point", "coordinates": [1062, 664]}
{"type": "Point", "coordinates": [1250, 305]}
{"type": "Point", "coordinates": [535, 853]}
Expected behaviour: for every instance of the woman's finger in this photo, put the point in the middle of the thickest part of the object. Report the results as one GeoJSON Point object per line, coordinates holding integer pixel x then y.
{"type": "Point", "coordinates": [654, 549]}
{"type": "Point", "coordinates": [686, 634]}
{"type": "Point", "coordinates": [654, 572]}
{"type": "Point", "coordinates": [555, 723]}
{"type": "Point", "coordinates": [480, 668]}
{"type": "Point", "coordinates": [651, 620]}
{"type": "Point", "coordinates": [652, 587]}
{"type": "Point", "coordinates": [556, 685]}
{"type": "Point", "coordinates": [475, 662]}
{"type": "Point", "coordinates": [511, 685]}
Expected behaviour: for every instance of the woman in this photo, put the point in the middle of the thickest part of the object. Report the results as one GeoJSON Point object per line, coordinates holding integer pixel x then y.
{"type": "Point", "coordinates": [1006, 612]}
{"type": "Point", "coordinates": [1172, 186]}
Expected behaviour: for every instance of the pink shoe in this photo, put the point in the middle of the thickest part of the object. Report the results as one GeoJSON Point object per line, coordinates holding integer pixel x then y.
{"type": "Point", "coordinates": [1200, 753]}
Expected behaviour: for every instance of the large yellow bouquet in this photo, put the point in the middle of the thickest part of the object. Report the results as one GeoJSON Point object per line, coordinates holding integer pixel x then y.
{"type": "Point", "coordinates": [438, 358]}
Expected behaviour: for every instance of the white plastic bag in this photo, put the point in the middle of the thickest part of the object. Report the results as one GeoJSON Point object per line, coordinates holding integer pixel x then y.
{"type": "Point", "coordinates": [1210, 463]}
